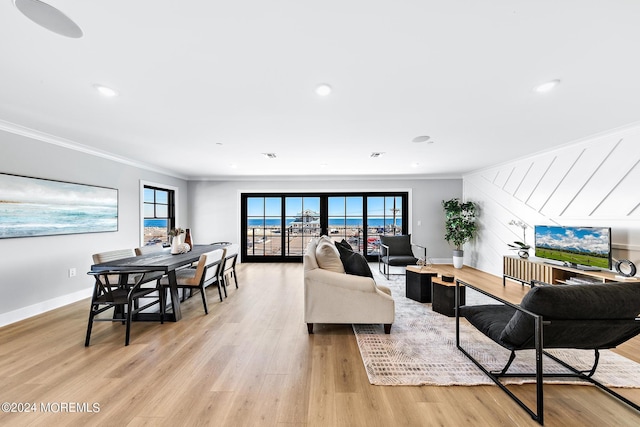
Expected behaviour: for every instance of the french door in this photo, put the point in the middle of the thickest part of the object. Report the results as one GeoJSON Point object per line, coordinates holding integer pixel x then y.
{"type": "Point", "coordinates": [278, 227]}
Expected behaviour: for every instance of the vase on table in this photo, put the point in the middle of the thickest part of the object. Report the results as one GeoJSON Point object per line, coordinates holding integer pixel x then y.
{"type": "Point", "coordinates": [187, 238]}
{"type": "Point", "coordinates": [175, 244]}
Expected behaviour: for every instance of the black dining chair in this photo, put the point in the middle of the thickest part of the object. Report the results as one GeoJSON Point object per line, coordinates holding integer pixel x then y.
{"type": "Point", "coordinates": [123, 297]}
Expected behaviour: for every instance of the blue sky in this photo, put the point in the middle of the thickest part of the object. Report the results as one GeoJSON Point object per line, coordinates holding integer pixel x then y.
{"type": "Point", "coordinates": [586, 238]}
{"type": "Point", "coordinates": [338, 206]}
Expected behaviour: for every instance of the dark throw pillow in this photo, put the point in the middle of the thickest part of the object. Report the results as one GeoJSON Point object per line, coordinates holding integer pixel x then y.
{"type": "Point", "coordinates": [344, 244]}
{"type": "Point", "coordinates": [353, 262]}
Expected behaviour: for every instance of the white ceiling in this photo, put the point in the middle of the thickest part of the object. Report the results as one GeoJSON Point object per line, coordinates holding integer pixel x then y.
{"type": "Point", "coordinates": [206, 85]}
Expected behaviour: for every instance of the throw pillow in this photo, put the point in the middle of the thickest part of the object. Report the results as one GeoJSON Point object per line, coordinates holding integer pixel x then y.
{"type": "Point", "coordinates": [344, 244]}
{"type": "Point", "coordinates": [328, 257]}
{"type": "Point", "coordinates": [354, 262]}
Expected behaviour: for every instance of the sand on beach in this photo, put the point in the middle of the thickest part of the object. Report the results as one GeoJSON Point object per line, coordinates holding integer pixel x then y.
{"type": "Point", "coordinates": [267, 241]}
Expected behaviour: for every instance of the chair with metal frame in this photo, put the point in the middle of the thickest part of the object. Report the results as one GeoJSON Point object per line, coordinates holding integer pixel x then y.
{"type": "Point", "coordinates": [396, 251]}
{"type": "Point", "coordinates": [587, 317]}
{"type": "Point", "coordinates": [123, 297]}
{"type": "Point", "coordinates": [207, 272]}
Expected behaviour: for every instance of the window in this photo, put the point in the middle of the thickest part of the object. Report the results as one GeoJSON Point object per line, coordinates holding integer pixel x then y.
{"type": "Point", "coordinates": [278, 227]}
{"type": "Point", "coordinates": [158, 207]}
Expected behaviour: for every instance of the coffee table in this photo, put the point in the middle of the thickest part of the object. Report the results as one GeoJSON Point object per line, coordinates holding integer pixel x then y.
{"type": "Point", "coordinates": [444, 297]}
{"type": "Point", "coordinates": [418, 286]}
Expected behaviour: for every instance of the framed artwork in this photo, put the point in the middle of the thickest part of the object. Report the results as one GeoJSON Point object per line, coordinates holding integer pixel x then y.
{"type": "Point", "coordinates": [32, 207]}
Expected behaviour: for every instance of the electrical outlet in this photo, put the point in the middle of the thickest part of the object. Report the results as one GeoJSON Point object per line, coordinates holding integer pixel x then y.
{"type": "Point", "coordinates": [72, 272]}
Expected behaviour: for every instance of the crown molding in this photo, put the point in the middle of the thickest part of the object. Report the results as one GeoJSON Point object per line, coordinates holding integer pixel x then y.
{"type": "Point", "coordinates": [323, 177]}
{"type": "Point", "coordinates": [76, 146]}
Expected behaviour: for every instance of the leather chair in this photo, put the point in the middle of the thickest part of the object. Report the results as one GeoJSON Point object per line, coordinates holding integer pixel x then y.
{"type": "Point", "coordinates": [396, 251]}
{"type": "Point", "coordinates": [587, 317]}
{"type": "Point", "coordinates": [207, 272]}
{"type": "Point", "coordinates": [228, 269]}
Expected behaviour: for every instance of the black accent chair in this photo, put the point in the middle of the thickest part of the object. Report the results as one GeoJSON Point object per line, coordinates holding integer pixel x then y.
{"type": "Point", "coordinates": [588, 317]}
{"type": "Point", "coordinates": [396, 251]}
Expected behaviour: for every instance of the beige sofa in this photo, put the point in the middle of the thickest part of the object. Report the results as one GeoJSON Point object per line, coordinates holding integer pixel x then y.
{"type": "Point", "coordinates": [332, 296]}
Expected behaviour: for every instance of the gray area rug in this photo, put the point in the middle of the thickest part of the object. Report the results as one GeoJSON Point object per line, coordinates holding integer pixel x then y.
{"type": "Point", "coordinates": [421, 350]}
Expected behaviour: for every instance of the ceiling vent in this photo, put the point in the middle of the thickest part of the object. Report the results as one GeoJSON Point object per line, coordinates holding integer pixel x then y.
{"type": "Point", "coordinates": [376, 154]}
{"type": "Point", "coordinates": [269, 155]}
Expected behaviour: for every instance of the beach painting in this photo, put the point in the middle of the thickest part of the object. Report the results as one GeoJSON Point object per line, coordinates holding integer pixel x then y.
{"type": "Point", "coordinates": [32, 207]}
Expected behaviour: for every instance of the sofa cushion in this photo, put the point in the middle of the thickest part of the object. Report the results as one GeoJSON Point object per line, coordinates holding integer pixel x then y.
{"type": "Point", "coordinates": [353, 262]}
{"type": "Point", "coordinates": [328, 257]}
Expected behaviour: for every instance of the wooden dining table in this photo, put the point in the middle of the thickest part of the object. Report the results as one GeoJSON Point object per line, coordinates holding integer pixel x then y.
{"type": "Point", "coordinates": [162, 261]}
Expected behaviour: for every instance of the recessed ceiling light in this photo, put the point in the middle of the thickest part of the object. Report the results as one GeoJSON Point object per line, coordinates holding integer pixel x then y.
{"type": "Point", "coordinates": [423, 138]}
{"type": "Point", "coordinates": [269, 155]}
{"type": "Point", "coordinates": [49, 17]}
{"type": "Point", "coordinates": [323, 89]}
{"type": "Point", "coordinates": [415, 164]}
{"type": "Point", "coordinates": [376, 154]}
{"type": "Point", "coordinates": [106, 91]}
{"type": "Point", "coordinates": [546, 87]}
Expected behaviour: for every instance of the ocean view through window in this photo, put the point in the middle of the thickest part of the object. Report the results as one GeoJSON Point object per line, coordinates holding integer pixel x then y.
{"type": "Point", "coordinates": [159, 214]}
{"type": "Point", "coordinates": [278, 227]}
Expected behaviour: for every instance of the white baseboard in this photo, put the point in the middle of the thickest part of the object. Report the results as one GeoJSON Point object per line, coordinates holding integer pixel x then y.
{"type": "Point", "coordinates": [42, 307]}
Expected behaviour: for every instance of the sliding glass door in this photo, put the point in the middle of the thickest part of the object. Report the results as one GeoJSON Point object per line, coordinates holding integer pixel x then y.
{"type": "Point", "coordinates": [346, 219]}
{"type": "Point", "coordinates": [302, 223]}
{"type": "Point", "coordinates": [278, 227]}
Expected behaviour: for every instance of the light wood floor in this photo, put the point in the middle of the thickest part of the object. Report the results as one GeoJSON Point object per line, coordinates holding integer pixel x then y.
{"type": "Point", "coordinates": [250, 362]}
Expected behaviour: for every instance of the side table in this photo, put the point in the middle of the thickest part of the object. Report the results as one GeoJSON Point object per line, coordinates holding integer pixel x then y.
{"type": "Point", "coordinates": [444, 297]}
{"type": "Point", "coordinates": [418, 286]}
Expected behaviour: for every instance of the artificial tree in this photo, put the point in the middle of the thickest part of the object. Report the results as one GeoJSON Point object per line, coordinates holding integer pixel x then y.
{"type": "Point", "coordinates": [460, 226]}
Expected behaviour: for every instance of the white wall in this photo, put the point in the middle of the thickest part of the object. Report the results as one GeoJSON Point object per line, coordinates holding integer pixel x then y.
{"type": "Point", "coordinates": [593, 182]}
{"type": "Point", "coordinates": [215, 206]}
{"type": "Point", "coordinates": [34, 270]}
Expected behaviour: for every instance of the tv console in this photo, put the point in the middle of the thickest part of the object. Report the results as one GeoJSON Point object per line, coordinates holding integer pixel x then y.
{"type": "Point", "coordinates": [525, 270]}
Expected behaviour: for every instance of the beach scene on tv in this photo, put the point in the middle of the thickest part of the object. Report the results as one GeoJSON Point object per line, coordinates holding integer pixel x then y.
{"type": "Point", "coordinates": [588, 246]}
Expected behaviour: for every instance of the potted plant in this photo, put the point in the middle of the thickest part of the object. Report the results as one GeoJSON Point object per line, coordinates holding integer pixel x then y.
{"type": "Point", "coordinates": [460, 226]}
{"type": "Point", "coordinates": [521, 247]}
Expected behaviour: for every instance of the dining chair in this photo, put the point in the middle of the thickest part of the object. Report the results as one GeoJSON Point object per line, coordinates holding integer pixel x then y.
{"type": "Point", "coordinates": [148, 249]}
{"type": "Point", "coordinates": [114, 280]}
{"type": "Point", "coordinates": [207, 272]}
{"type": "Point", "coordinates": [228, 269]}
{"type": "Point", "coordinates": [122, 298]}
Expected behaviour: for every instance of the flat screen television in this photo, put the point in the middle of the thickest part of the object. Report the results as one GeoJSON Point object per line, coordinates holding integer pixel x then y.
{"type": "Point", "coordinates": [586, 248]}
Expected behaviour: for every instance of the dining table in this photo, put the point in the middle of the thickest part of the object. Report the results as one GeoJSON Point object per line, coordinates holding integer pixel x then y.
{"type": "Point", "coordinates": [162, 261]}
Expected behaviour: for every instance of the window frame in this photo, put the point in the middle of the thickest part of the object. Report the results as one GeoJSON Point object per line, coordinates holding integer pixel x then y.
{"type": "Point", "coordinates": [324, 216]}
{"type": "Point", "coordinates": [172, 205]}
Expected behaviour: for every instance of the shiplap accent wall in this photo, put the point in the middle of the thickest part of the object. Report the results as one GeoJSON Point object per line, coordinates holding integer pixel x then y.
{"type": "Point", "coordinates": [595, 182]}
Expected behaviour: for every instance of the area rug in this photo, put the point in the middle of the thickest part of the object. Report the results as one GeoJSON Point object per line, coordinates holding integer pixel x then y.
{"type": "Point", "coordinates": [421, 350]}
